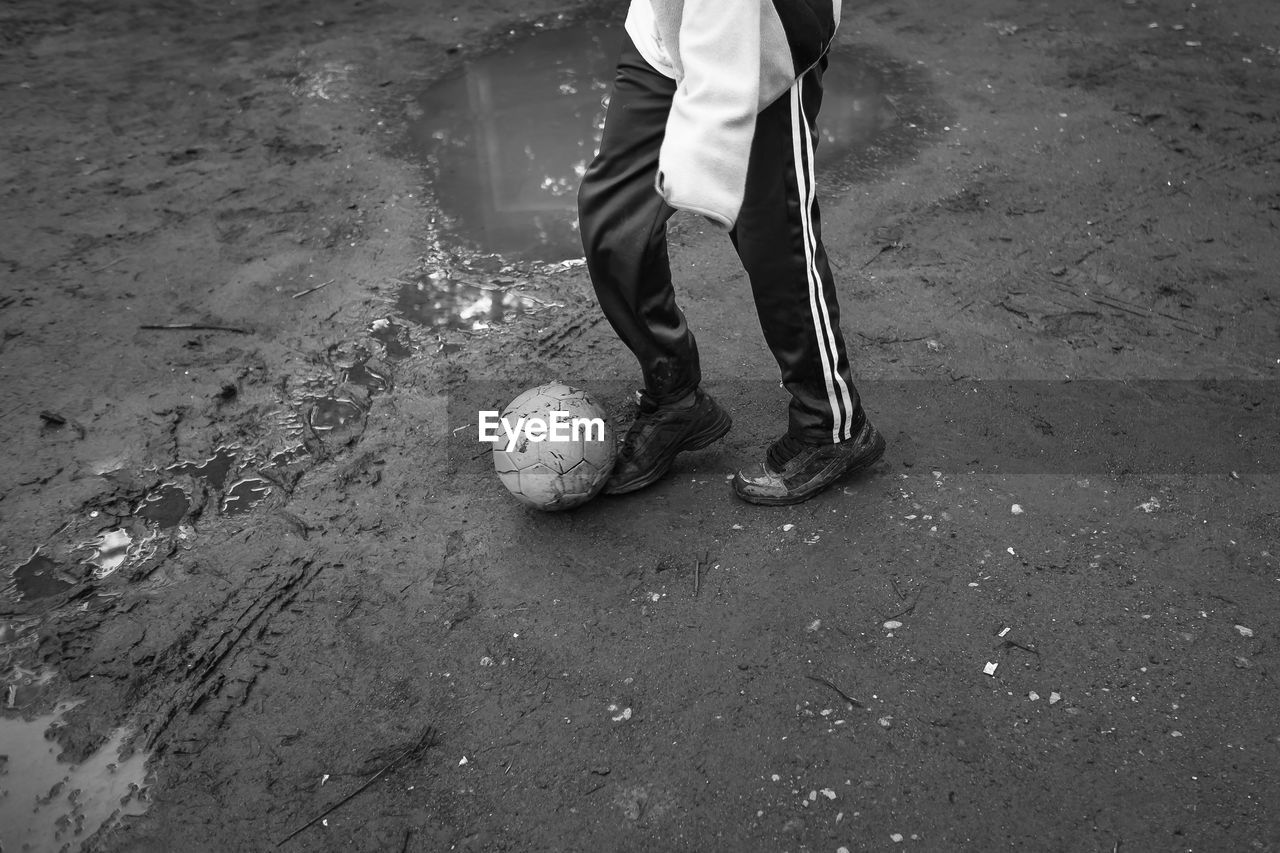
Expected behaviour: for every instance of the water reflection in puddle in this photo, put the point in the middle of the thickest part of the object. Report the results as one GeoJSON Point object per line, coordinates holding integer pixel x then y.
{"type": "Point", "coordinates": [369, 375]}
{"type": "Point", "coordinates": [510, 136]}
{"type": "Point", "coordinates": [330, 413]}
{"type": "Point", "coordinates": [439, 302]}
{"type": "Point", "coordinates": [48, 805]}
{"type": "Point", "coordinates": [112, 549]}
{"type": "Point", "coordinates": [393, 337]}
{"type": "Point", "coordinates": [244, 495]}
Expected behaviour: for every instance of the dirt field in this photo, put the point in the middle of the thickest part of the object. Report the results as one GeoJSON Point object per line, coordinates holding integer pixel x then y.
{"type": "Point", "coordinates": [263, 263]}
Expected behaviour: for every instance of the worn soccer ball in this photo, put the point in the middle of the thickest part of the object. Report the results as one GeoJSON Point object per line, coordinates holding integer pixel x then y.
{"type": "Point", "coordinates": [555, 447]}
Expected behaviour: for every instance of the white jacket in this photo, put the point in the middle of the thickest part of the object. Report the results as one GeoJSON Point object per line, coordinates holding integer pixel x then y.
{"type": "Point", "coordinates": [730, 59]}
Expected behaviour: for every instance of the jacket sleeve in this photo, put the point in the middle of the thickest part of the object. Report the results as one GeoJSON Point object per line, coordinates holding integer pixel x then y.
{"type": "Point", "coordinates": [702, 166]}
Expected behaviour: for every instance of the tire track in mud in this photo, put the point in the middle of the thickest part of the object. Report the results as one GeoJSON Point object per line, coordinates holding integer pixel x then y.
{"type": "Point", "coordinates": [205, 668]}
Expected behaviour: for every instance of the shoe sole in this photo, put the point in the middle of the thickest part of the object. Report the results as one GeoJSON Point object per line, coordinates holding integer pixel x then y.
{"type": "Point", "coordinates": [707, 436]}
{"type": "Point", "coordinates": [864, 462]}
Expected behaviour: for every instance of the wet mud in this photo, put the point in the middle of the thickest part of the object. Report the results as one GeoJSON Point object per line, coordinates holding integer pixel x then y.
{"type": "Point", "coordinates": [259, 579]}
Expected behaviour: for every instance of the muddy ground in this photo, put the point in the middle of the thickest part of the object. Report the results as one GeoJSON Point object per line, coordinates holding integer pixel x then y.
{"type": "Point", "coordinates": [266, 553]}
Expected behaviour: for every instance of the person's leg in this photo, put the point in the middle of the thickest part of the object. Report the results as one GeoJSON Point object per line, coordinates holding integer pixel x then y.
{"type": "Point", "coordinates": [779, 238]}
{"type": "Point", "coordinates": [623, 223]}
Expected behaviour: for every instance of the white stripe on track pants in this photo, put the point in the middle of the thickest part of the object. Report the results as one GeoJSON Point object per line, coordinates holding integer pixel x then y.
{"type": "Point", "coordinates": [778, 236]}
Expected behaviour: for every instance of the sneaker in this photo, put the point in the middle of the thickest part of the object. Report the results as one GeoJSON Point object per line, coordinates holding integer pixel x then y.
{"type": "Point", "coordinates": [794, 471]}
{"type": "Point", "coordinates": [658, 434]}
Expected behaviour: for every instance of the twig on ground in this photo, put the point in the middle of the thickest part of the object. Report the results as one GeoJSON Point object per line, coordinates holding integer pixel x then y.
{"type": "Point", "coordinates": [845, 696]}
{"type": "Point", "coordinates": [194, 327]}
{"type": "Point", "coordinates": [301, 293]}
{"type": "Point", "coordinates": [883, 341]}
{"type": "Point", "coordinates": [906, 611]}
{"type": "Point", "coordinates": [423, 743]}
{"type": "Point", "coordinates": [1015, 644]}
{"type": "Point", "coordinates": [110, 265]}
{"type": "Point", "coordinates": [910, 608]}
{"type": "Point", "coordinates": [698, 564]}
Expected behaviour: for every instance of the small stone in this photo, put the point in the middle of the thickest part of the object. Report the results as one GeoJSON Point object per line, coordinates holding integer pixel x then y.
{"type": "Point", "coordinates": [1016, 509]}
{"type": "Point", "coordinates": [1175, 733]}
{"type": "Point", "coordinates": [1243, 631]}
{"type": "Point", "coordinates": [787, 528]}
{"type": "Point", "coordinates": [814, 625]}
{"type": "Point", "coordinates": [990, 668]}
{"type": "Point", "coordinates": [828, 793]}
{"type": "Point", "coordinates": [896, 838]}
{"type": "Point", "coordinates": [1033, 696]}
{"type": "Point", "coordinates": [1055, 698]}
{"type": "Point", "coordinates": [892, 625]}
{"type": "Point", "coordinates": [886, 722]}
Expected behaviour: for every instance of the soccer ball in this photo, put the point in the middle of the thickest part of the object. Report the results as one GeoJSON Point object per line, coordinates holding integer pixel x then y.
{"type": "Point", "coordinates": [555, 447]}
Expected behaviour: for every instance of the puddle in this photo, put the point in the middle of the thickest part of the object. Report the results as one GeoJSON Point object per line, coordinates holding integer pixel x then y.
{"type": "Point", "coordinates": [443, 303]}
{"type": "Point", "coordinates": [372, 377]}
{"type": "Point", "coordinates": [213, 470]}
{"type": "Point", "coordinates": [287, 457]}
{"type": "Point", "coordinates": [113, 548]}
{"type": "Point", "coordinates": [244, 495]}
{"type": "Point", "coordinates": [164, 506]}
{"type": "Point", "coordinates": [509, 137]}
{"type": "Point", "coordinates": [38, 578]}
{"type": "Point", "coordinates": [393, 337]}
{"type": "Point", "coordinates": [22, 686]}
{"type": "Point", "coordinates": [47, 805]}
{"type": "Point", "coordinates": [333, 413]}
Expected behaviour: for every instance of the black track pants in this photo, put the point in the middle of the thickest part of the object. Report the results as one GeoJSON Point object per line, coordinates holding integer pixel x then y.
{"type": "Point", "coordinates": [777, 236]}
